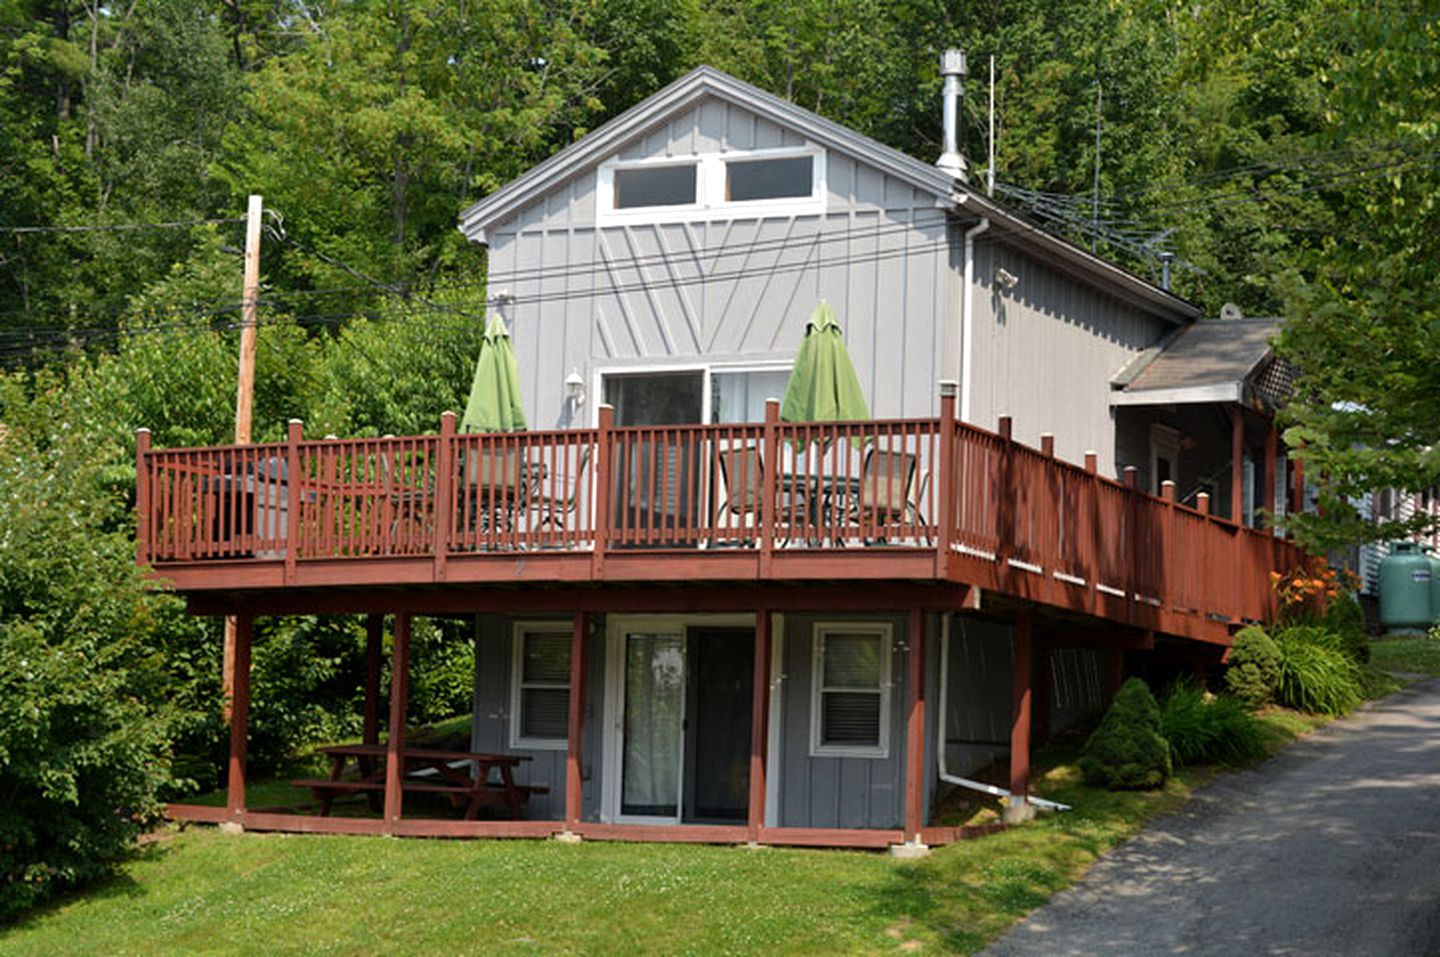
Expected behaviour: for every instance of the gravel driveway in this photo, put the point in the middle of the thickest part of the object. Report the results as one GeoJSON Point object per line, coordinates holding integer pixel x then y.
{"type": "Point", "coordinates": [1333, 847]}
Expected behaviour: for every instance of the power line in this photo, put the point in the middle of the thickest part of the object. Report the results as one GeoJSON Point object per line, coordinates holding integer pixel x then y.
{"type": "Point", "coordinates": [120, 227]}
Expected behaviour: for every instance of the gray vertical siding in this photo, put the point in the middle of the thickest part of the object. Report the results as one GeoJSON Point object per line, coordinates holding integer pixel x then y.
{"type": "Point", "coordinates": [1045, 352]}
{"type": "Point", "coordinates": [490, 731]}
{"type": "Point", "coordinates": [628, 295]}
{"type": "Point", "coordinates": [837, 791]}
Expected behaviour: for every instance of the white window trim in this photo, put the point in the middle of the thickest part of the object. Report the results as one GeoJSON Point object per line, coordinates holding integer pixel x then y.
{"type": "Point", "coordinates": [710, 178]}
{"type": "Point", "coordinates": [517, 671]}
{"type": "Point", "coordinates": [817, 677]}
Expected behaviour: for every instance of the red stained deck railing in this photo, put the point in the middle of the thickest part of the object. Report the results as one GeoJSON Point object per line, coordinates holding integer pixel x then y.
{"type": "Point", "coordinates": [989, 510]}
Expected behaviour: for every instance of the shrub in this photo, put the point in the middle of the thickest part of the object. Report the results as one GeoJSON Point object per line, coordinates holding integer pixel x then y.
{"type": "Point", "coordinates": [1317, 675]}
{"type": "Point", "coordinates": [1208, 729]}
{"type": "Point", "coordinates": [1253, 675]}
{"type": "Point", "coordinates": [1345, 620]}
{"type": "Point", "coordinates": [1127, 752]}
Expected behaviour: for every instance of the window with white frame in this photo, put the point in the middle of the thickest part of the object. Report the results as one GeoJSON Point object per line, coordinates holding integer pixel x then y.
{"type": "Point", "coordinates": [540, 686]}
{"type": "Point", "coordinates": [850, 702]}
{"type": "Point", "coordinates": [782, 181]}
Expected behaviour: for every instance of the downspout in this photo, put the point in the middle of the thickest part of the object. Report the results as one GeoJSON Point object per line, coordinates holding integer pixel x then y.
{"type": "Point", "coordinates": [967, 318]}
{"type": "Point", "coordinates": [943, 773]}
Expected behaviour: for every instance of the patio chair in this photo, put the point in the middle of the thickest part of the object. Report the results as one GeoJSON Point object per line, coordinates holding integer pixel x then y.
{"type": "Point", "coordinates": [555, 505]}
{"type": "Point", "coordinates": [892, 486]}
{"type": "Point", "coordinates": [742, 475]}
{"type": "Point", "coordinates": [494, 488]}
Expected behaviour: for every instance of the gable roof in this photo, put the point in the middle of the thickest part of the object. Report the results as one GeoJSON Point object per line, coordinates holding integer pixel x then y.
{"type": "Point", "coordinates": [950, 193]}
{"type": "Point", "coordinates": [683, 93]}
{"type": "Point", "coordinates": [1208, 361]}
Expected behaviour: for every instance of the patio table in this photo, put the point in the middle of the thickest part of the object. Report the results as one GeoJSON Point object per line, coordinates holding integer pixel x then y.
{"type": "Point", "coordinates": [427, 771]}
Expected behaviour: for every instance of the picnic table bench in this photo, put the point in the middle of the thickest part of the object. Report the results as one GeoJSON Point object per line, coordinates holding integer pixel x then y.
{"type": "Point", "coordinates": [426, 771]}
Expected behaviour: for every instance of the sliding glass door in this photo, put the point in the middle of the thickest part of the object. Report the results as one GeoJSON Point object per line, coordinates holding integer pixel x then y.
{"type": "Point", "coordinates": [653, 733]}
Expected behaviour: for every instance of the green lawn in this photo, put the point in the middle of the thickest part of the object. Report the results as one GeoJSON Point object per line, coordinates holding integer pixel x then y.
{"type": "Point", "coordinates": [1415, 656]}
{"type": "Point", "coordinates": [202, 892]}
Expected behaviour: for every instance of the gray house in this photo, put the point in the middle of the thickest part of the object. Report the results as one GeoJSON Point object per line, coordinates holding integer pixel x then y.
{"type": "Point", "coordinates": [666, 265]}
{"type": "Point", "coordinates": [697, 622]}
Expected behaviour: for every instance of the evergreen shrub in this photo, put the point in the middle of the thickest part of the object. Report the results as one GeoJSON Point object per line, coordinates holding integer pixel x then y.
{"type": "Point", "coordinates": [1253, 675]}
{"type": "Point", "coordinates": [1127, 751]}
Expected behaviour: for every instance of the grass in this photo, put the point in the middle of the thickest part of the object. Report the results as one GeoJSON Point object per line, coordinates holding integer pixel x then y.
{"type": "Point", "coordinates": [201, 892]}
{"type": "Point", "coordinates": [1418, 655]}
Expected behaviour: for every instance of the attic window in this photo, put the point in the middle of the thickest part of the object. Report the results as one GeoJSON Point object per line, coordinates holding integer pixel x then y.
{"type": "Point", "coordinates": [784, 181]}
{"type": "Point", "coordinates": [788, 178]}
{"type": "Point", "coordinates": [637, 187]}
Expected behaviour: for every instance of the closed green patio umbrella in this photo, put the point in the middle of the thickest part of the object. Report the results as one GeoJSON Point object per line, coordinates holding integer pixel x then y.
{"type": "Point", "coordinates": [495, 404]}
{"type": "Point", "coordinates": [823, 386]}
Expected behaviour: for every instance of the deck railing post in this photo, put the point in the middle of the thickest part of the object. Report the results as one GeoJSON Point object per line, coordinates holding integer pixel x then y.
{"type": "Point", "coordinates": [1090, 566]}
{"type": "Point", "coordinates": [142, 497]}
{"type": "Point", "coordinates": [1008, 504]}
{"type": "Point", "coordinates": [604, 471]}
{"type": "Point", "coordinates": [946, 481]}
{"type": "Point", "coordinates": [239, 682]}
{"type": "Point", "coordinates": [1132, 536]}
{"type": "Point", "coordinates": [294, 435]}
{"type": "Point", "coordinates": [1173, 567]}
{"type": "Point", "coordinates": [915, 728]}
{"type": "Point", "coordinates": [445, 460]}
{"type": "Point", "coordinates": [575, 726]}
{"type": "Point", "coordinates": [399, 705]}
{"type": "Point", "coordinates": [759, 725]}
{"type": "Point", "coordinates": [770, 456]}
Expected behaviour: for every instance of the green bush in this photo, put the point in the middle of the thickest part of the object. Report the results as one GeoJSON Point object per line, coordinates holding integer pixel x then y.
{"type": "Point", "coordinates": [1127, 751]}
{"type": "Point", "coordinates": [1345, 620]}
{"type": "Point", "coordinates": [1317, 674]}
{"type": "Point", "coordinates": [1208, 729]}
{"type": "Point", "coordinates": [1253, 675]}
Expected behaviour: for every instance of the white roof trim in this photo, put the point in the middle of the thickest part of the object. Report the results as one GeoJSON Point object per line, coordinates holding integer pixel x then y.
{"type": "Point", "coordinates": [1185, 395]}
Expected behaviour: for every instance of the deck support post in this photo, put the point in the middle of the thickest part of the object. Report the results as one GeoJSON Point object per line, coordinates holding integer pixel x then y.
{"type": "Point", "coordinates": [374, 644]}
{"type": "Point", "coordinates": [575, 727]}
{"type": "Point", "coordinates": [759, 725]}
{"type": "Point", "coordinates": [1019, 809]}
{"type": "Point", "coordinates": [915, 729]}
{"type": "Point", "coordinates": [1272, 449]}
{"type": "Point", "coordinates": [1297, 479]}
{"type": "Point", "coordinates": [399, 699]}
{"type": "Point", "coordinates": [239, 683]}
{"type": "Point", "coordinates": [1237, 465]}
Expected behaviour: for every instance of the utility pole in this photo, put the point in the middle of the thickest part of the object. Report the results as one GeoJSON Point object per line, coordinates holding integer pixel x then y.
{"type": "Point", "coordinates": [244, 396]}
{"type": "Point", "coordinates": [990, 171]}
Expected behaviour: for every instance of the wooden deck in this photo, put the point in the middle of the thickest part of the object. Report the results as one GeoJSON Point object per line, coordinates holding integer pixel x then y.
{"type": "Point", "coordinates": [907, 502]}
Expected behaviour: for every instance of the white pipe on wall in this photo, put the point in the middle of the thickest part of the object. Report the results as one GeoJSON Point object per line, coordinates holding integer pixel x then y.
{"type": "Point", "coordinates": [967, 319]}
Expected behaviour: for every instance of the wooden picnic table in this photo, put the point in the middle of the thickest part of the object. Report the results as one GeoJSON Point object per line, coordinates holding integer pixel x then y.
{"type": "Point", "coordinates": [426, 771]}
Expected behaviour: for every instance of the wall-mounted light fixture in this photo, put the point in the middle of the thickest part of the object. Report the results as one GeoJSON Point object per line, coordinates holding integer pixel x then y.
{"type": "Point", "coordinates": [575, 388]}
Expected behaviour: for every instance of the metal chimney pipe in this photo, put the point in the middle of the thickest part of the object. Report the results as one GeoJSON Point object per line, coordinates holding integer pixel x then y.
{"type": "Point", "coordinates": [1165, 260]}
{"type": "Point", "coordinates": [952, 68]}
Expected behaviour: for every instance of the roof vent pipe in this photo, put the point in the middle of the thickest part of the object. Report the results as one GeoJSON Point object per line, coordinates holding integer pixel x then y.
{"type": "Point", "coordinates": [952, 68]}
{"type": "Point", "coordinates": [1166, 258]}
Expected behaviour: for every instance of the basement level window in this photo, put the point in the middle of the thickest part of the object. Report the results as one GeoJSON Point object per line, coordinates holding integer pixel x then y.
{"type": "Point", "coordinates": [540, 686]}
{"type": "Point", "coordinates": [850, 702]}
{"type": "Point", "coordinates": [638, 187]}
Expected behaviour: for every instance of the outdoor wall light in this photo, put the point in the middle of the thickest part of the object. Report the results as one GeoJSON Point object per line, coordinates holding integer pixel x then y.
{"type": "Point", "coordinates": [575, 387]}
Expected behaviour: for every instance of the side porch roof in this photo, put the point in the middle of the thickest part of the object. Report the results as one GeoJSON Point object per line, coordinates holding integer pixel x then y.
{"type": "Point", "coordinates": [1224, 360]}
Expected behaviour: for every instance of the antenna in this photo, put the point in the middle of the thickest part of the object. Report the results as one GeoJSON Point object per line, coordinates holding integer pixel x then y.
{"type": "Point", "coordinates": [990, 170]}
{"type": "Point", "coordinates": [1095, 203]}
